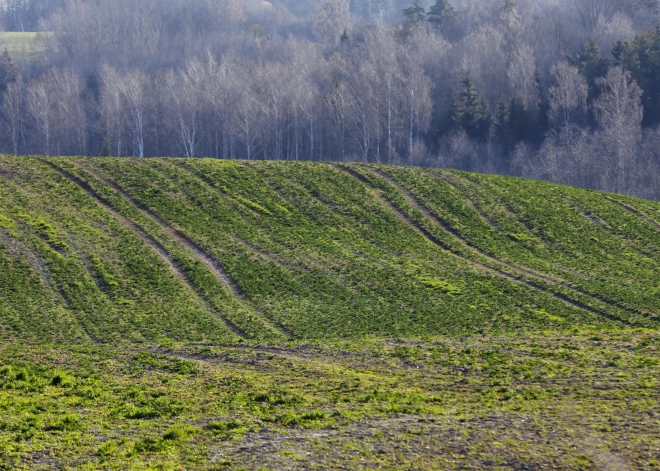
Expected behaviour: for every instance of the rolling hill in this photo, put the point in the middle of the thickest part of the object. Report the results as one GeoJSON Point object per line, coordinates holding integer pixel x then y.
{"type": "Point", "coordinates": [109, 250]}
{"type": "Point", "coordinates": [197, 314]}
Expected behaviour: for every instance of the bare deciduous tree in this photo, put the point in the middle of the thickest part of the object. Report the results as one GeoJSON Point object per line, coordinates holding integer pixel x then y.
{"type": "Point", "coordinates": [135, 88]}
{"type": "Point", "coordinates": [332, 20]}
{"type": "Point", "coordinates": [619, 111]}
{"type": "Point", "coordinates": [12, 114]}
{"type": "Point", "coordinates": [112, 110]}
{"type": "Point", "coordinates": [568, 94]}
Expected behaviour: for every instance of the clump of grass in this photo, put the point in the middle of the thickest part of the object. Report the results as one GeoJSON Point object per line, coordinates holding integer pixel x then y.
{"type": "Point", "coordinates": [22, 375]}
{"type": "Point", "coordinates": [227, 430]}
{"type": "Point", "coordinates": [62, 379]}
{"type": "Point", "coordinates": [67, 423]}
{"type": "Point", "coordinates": [180, 433]}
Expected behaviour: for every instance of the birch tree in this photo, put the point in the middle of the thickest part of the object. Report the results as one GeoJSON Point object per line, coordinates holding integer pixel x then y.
{"type": "Point", "coordinates": [186, 93]}
{"type": "Point", "coordinates": [69, 110]}
{"type": "Point", "coordinates": [619, 111]}
{"type": "Point", "coordinates": [331, 21]}
{"type": "Point", "coordinates": [135, 88]}
{"type": "Point", "coordinates": [249, 114]}
{"type": "Point", "coordinates": [361, 89]}
{"type": "Point", "coordinates": [418, 104]}
{"type": "Point", "coordinates": [112, 110]}
{"type": "Point", "coordinates": [568, 94]}
{"type": "Point", "coordinates": [382, 53]}
{"type": "Point", "coordinates": [13, 114]}
{"type": "Point", "coordinates": [274, 84]}
{"type": "Point", "coordinates": [40, 106]}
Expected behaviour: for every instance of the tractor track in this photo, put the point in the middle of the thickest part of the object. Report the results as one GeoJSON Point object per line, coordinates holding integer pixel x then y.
{"type": "Point", "coordinates": [40, 266]}
{"type": "Point", "coordinates": [634, 211]}
{"type": "Point", "coordinates": [200, 254]}
{"type": "Point", "coordinates": [150, 241]}
{"type": "Point", "coordinates": [518, 278]}
{"type": "Point", "coordinates": [467, 199]}
{"type": "Point", "coordinates": [532, 273]}
{"type": "Point", "coordinates": [520, 270]}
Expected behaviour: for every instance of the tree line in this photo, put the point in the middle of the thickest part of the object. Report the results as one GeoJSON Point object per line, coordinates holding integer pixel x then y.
{"type": "Point", "coordinates": [567, 91]}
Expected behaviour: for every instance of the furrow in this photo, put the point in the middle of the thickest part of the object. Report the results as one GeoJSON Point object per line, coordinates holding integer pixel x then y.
{"type": "Point", "coordinates": [517, 268]}
{"type": "Point", "coordinates": [199, 253]}
{"type": "Point", "coordinates": [634, 211]}
{"type": "Point", "coordinates": [18, 247]}
{"type": "Point", "coordinates": [520, 270]}
{"type": "Point", "coordinates": [588, 215]}
{"type": "Point", "coordinates": [182, 239]}
{"type": "Point", "coordinates": [250, 247]}
{"type": "Point", "coordinates": [150, 241]}
{"type": "Point", "coordinates": [653, 210]}
{"type": "Point", "coordinates": [468, 200]}
{"type": "Point", "coordinates": [41, 267]}
{"type": "Point", "coordinates": [442, 223]}
{"type": "Point", "coordinates": [516, 278]}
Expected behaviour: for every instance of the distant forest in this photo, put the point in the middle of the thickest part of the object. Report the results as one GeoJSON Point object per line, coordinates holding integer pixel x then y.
{"type": "Point", "coordinates": [561, 90]}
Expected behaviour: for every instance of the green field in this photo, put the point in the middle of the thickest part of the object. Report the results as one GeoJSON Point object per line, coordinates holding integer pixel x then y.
{"type": "Point", "coordinates": [22, 45]}
{"type": "Point", "coordinates": [202, 314]}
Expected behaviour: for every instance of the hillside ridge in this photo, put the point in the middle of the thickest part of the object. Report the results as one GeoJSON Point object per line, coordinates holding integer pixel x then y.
{"type": "Point", "coordinates": [129, 250]}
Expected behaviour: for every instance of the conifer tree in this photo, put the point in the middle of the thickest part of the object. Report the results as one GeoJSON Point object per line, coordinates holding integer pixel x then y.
{"type": "Point", "coordinates": [641, 57]}
{"type": "Point", "coordinates": [414, 18]}
{"type": "Point", "coordinates": [439, 13]}
{"type": "Point", "coordinates": [591, 65]}
{"type": "Point", "coordinates": [618, 51]}
{"type": "Point", "coordinates": [541, 123]}
{"type": "Point", "coordinates": [519, 120]}
{"type": "Point", "coordinates": [501, 122]}
{"type": "Point", "coordinates": [468, 111]}
{"type": "Point", "coordinates": [8, 71]}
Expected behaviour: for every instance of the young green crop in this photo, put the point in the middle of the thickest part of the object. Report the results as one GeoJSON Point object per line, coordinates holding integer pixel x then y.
{"type": "Point", "coordinates": [202, 250]}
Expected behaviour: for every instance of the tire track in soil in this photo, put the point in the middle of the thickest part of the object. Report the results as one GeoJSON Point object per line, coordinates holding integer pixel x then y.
{"type": "Point", "coordinates": [467, 199]}
{"type": "Point", "coordinates": [277, 327]}
{"type": "Point", "coordinates": [150, 241]}
{"type": "Point", "coordinates": [588, 215]}
{"type": "Point", "coordinates": [19, 248]}
{"type": "Point", "coordinates": [518, 278]}
{"type": "Point", "coordinates": [32, 256]}
{"type": "Point", "coordinates": [535, 274]}
{"type": "Point", "coordinates": [634, 211]}
{"type": "Point", "coordinates": [199, 253]}
{"type": "Point", "coordinates": [249, 246]}
{"type": "Point", "coordinates": [653, 210]}
{"type": "Point", "coordinates": [310, 262]}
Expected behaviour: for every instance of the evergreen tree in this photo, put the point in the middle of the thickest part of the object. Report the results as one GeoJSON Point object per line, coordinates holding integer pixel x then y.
{"type": "Point", "coordinates": [8, 71]}
{"type": "Point", "coordinates": [414, 18]}
{"type": "Point", "coordinates": [618, 51]}
{"type": "Point", "coordinates": [641, 57]}
{"type": "Point", "coordinates": [501, 122]}
{"type": "Point", "coordinates": [519, 121]}
{"type": "Point", "coordinates": [513, 123]}
{"type": "Point", "coordinates": [541, 123]}
{"type": "Point", "coordinates": [439, 13]}
{"type": "Point", "coordinates": [468, 111]}
{"type": "Point", "coordinates": [591, 65]}
{"type": "Point", "coordinates": [344, 41]}
{"type": "Point", "coordinates": [105, 149]}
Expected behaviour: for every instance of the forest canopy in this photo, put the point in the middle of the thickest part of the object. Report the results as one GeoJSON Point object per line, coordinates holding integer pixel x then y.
{"type": "Point", "coordinates": [562, 90]}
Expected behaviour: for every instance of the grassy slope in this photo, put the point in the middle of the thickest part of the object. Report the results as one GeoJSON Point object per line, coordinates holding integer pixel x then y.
{"type": "Point", "coordinates": [586, 402]}
{"type": "Point", "coordinates": [196, 314]}
{"type": "Point", "coordinates": [21, 46]}
{"type": "Point", "coordinates": [203, 250]}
